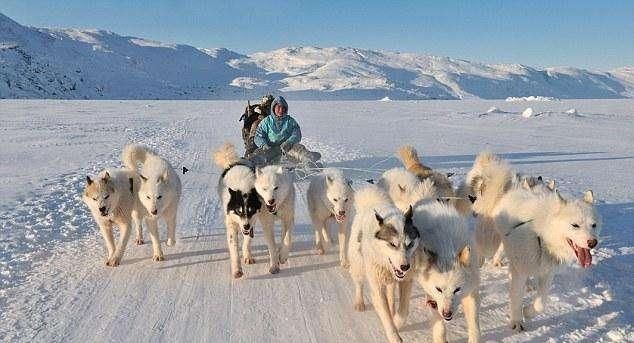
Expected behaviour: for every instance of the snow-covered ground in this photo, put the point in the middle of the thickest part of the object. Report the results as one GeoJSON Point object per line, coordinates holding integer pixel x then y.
{"type": "Point", "coordinates": [54, 285]}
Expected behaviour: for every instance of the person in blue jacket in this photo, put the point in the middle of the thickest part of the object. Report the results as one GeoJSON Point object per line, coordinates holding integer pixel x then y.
{"type": "Point", "coordinates": [279, 134]}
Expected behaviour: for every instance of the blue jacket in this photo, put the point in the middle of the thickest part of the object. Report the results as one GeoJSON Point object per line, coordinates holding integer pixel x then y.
{"type": "Point", "coordinates": [273, 131]}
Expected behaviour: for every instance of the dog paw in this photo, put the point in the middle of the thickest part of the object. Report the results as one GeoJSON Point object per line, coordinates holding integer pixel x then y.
{"type": "Point", "coordinates": [283, 256]}
{"type": "Point", "coordinates": [158, 257]}
{"type": "Point", "coordinates": [274, 269]}
{"type": "Point", "coordinates": [320, 251]}
{"type": "Point", "coordinates": [249, 260]}
{"type": "Point", "coordinates": [237, 274]}
{"type": "Point", "coordinates": [113, 261]}
{"type": "Point", "coordinates": [171, 242]}
{"type": "Point", "coordinates": [359, 307]}
{"type": "Point", "coordinates": [139, 241]}
{"type": "Point", "coordinates": [517, 326]}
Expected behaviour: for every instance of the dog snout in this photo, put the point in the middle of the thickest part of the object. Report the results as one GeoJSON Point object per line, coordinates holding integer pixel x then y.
{"type": "Point", "coordinates": [272, 202]}
{"type": "Point", "coordinates": [447, 314]}
{"type": "Point", "coordinates": [103, 210]}
{"type": "Point", "coordinates": [404, 267]}
{"type": "Point", "coordinates": [246, 227]}
{"type": "Point", "coordinates": [592, 243]}
{"type": "Point", "coordinates": [154, 212]}
{"type": "Point", "coordinates": [342, 213]}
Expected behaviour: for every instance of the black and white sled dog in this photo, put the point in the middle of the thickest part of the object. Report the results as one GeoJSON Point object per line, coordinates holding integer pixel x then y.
{"type": "Point", "coordinates": [112, 200]}
{"type": "Point", "coordinates": [159, 193]}
{"type": "Point", "coordinates": [330, 196]}
{"type": "Point", "coordinates": [240, 203]}
{"type": "Point", "coordinates": [448, 268]}
{"type": "Point", "coordinates": [383, 242]}
{"type": "Point", "coordinates": [275, 187]}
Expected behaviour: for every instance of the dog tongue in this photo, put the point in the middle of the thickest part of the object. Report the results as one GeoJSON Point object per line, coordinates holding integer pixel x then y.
{"type": "Point", "coordinates": [584, 257]}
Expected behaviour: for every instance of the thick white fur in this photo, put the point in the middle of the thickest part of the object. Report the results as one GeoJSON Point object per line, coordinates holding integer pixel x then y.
{"type": "Point", "coordinates": [448, 267]}
{"type": "Point", "coordinates": [536, 227]}
{"type": "Point", "coordinates": [111, 190]}
{"type": "Point", "coordinates": [375, 260]}
{"type": "Point", "coordinates": [239, 178]}
{"type": "Point", "coordinates": [159, 193]}
{"type": "Point", "coordinates": [405, 189]}
{"type": "Point", "coordinates": [488, 180]}
{"type": "Point", "coordinates": [275, 187]}
{"type": "Point", "coordinates": [330, 196]}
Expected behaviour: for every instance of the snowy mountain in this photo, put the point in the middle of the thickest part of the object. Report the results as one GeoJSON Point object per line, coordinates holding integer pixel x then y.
{"type": "Point", "coordinates": [96, 64]}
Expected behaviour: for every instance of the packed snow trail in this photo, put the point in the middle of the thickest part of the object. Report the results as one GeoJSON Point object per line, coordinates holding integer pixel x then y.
{"type": "Point", "coordinates": [56, 288]}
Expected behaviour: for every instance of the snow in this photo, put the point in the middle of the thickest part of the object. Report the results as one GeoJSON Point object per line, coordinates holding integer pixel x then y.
{"type": "Point", "coordinates": [54, 286]}
{"type": "Point", "coordinates": [528, 112]}
{"type": "Point", "coordinates": [531, 98]}
{"type": "Point", "coordinates": [387, 98]}
{"type": "Point", "coordinates": [97, 64]}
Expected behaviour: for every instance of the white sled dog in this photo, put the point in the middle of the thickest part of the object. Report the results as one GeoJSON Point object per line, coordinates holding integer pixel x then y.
{"type": "Point", "coordinates": [330, 195]}
{"type": "Point", "coordinates": [112, 200]}
{"type": "Point", "coordinates": [541, 230]}
{"type": "Point", "coordinates": [448, 267]}
{"type": "Point", "coordinates": [382, 249]}
{"type": "Point", "coordinates": [240, 203]}
{"type": "Point", "coordinates": [159, 193]}
{"type": "Point", "coordinates": [405, 189]}
{"type": "Point", "coordinates": [275, 187]}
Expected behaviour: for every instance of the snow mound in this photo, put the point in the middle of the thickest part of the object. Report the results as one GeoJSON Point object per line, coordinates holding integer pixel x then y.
{"type": "Point", "coordinates": [572, 112]}
{"type": "Point", "coordinates": [494, 109]}
{"type": "Point", "coordinates": [530, 98]}
{"type": "Point", "coordinates": [528, 112]}
{"type": "Point", "coordinates": [385, 99]}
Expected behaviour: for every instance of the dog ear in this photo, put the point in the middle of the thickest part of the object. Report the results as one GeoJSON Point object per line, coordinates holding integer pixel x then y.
{"type": "Point", "coordinates": [329, 179]}
{"type": "Point", "coordinates": [106, 177]}
{"type": "Point", "coordinates": [540, 179]}
{"type": "Point", "coordinates": [472, 198]}
{"type": "Point", "coordinates": [525, 184]}
{"type": "Point", "coordinates": [280, 170]}
{"type": "Point", "coordinates": [409, 214]}
{"type": "Point", "coordinates": [143, 178]}
{"type": "Point", "coordinates": [450, 174]}
{"type": "Point", "coordinates": [349, 182]}
{"type": "Point", "coordinates": [401, 188]}
{"type": "Point", "coordinates": [163, 177]}
{"type": "Point", "coordinates": [378, 217]}
{"type": "Point", "coordinates": [258, 171]}
{"type": "Point", "coordinates": [588, 196]}
{"type": "Point", "coordinates": [464, 255]}
{"type": "Point", "coordinates": [88, 180]}
{"type": "Point", "coordinates": [561, 199]}
{"type": "Point", "coordinates": [551, 185]}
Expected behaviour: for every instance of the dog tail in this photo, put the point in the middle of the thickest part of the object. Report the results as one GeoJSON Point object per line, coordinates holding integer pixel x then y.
{"type": "Point", "coordinates": [134, 153]}
{"type": "Point", "coordinates": [226, 156]}
{"type": "Point", "coordinates": [497, 178]}
{"type": "Point", "coordinates": [409, 157]}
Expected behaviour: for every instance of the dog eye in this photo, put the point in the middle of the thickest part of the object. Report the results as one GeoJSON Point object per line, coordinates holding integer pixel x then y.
{"type": "Point", "coordinates": [275, 188]}
{"type": "Point", "coordinates": [95, 199]}
{"type": "Point", "coordinates": [345, 200]}
{"type": "Point", "coordinates": [147, 196]}
{"type": "Point", "coordinates": [106, 197]}
{"type": "Point", "coordinates": [335, 200]}
{"type": "Point", "coordinates": [576, 226]}
{"type": "Point", "coordinates": [160, 196]}
{"type": "Point", "coordinates": [392, 245]}
{"type": "Point", "coordinates": [438, 289]}
{"type": "Point", "coordinates": [594, 225]}
{"type": "Point", "coordinates": [457, 290]}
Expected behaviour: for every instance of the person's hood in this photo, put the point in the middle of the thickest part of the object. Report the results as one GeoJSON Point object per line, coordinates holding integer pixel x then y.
{"type": "Point", "coordinates": [279, 100]}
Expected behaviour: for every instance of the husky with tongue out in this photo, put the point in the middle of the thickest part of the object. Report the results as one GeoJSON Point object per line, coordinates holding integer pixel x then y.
{"type": "Point", "coordinates": [275, 187]}
{"type": "Point", "coordinates": [541, 231]}
{"type": "Point", "coordinates": [330, 196]}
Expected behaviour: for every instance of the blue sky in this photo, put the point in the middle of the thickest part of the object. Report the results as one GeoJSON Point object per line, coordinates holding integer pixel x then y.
{"type": "Point", "coordinates": [590, 34]}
